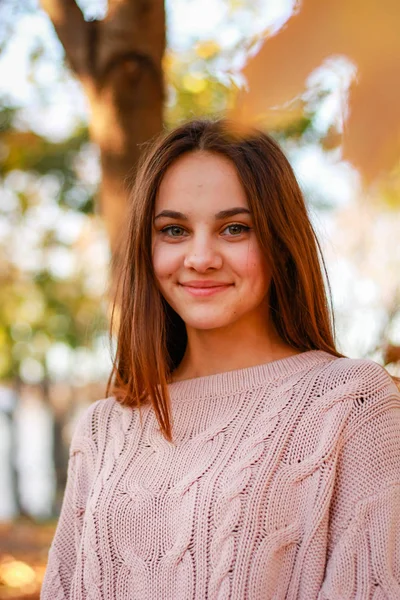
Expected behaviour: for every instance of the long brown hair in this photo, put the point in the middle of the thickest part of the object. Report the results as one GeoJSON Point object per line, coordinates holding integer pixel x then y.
{"type": "Point", "coordinates": [151, 338]}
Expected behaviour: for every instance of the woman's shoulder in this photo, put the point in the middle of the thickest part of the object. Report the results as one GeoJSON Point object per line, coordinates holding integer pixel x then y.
{"type": "Point", "coordinates": [363, 383]}
{"type": "Point", "coordinates": [361, 373]}
{"type": "Point", "coordinates": [94, 418]}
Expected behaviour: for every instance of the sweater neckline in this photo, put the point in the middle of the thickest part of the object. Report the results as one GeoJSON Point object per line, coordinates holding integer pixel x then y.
{"type": "Point", "coordinates": [238, 380]}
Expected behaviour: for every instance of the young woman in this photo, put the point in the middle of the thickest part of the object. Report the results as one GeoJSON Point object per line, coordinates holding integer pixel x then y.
{"type": "Point", "coordinates": [240, 456]}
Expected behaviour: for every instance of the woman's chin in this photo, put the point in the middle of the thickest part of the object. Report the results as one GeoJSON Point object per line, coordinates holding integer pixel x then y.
{"type": "Point", "coordinates": [208, 322]}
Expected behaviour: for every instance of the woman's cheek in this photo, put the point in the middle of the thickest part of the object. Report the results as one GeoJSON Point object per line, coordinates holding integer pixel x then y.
{"type": "Point", "coordinates": [249, 262]}
{"type": "Point", "coordinates": [257, 268]}
{"type": "Point", "coordinates": [165, 261]}
{"type": "Point", "coordinates": [159, 261]}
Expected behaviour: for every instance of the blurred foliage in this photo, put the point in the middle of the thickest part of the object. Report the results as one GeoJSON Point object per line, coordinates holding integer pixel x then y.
{"type": "Point", "coordinates": [28, 151]}
{"type": "Point", "coordinates": [10, 12]}
{"type": "Point", "coordinates": [38, 308]}
{"type": "Point", "coordinates": [193, 87]}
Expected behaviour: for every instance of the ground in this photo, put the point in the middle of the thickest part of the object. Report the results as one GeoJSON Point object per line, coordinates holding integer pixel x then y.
{"type": "Point", "coordinates": [24, 545]}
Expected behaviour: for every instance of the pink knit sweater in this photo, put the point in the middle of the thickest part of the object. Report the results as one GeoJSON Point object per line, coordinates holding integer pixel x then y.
{"type": "Point", "coordinates": [283, 483]}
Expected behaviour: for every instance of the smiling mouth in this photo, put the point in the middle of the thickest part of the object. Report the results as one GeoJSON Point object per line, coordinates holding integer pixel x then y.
{"type": "Point", "coordinates": [205, 290]}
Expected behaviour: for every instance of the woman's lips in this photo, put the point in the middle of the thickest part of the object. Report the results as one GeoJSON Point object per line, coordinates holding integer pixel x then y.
{"type": "Point", "coordinates": [205, 291]}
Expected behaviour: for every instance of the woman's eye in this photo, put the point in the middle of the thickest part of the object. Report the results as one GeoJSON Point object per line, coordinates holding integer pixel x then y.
{"type": "Point", "coordinates": [173, 231]}
{"type": "Point", "coordinates": [236, 229]}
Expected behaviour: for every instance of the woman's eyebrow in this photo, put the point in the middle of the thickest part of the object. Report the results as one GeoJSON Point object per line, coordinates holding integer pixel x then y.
{"type": "Point", "coordinates": [223, 214]}
{"type": "Point", "coordinates": [231, 212]}
{"type": "Point", "coordinates": [172, 214]}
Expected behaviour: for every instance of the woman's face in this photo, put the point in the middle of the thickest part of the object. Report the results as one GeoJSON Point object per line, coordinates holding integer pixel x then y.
{"type": "Point", "coordinates": [206, 258]}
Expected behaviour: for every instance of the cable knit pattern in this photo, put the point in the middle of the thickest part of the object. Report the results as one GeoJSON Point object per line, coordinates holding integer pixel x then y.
{"type": "Point", "coordinates": [283, 483]}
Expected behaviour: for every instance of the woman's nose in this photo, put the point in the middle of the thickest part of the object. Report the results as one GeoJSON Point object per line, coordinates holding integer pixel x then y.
{"type": "Point", "coordinates": [202, 254]}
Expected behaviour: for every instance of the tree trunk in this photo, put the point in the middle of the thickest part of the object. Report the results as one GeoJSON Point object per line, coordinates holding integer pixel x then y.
{"type": "Point", "coordinates": [118, 60]}
{"type": "Point", "coordinates": [13, 450]}
{"type": "Point", "coordinates": [59, 447]}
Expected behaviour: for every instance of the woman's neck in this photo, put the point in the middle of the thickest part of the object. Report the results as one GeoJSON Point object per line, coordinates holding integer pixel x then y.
{"type": "Point", "coordinates": [214, 351]}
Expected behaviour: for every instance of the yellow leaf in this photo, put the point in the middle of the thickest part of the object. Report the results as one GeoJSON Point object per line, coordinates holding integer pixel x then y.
{"type": "Point", "coordinates": [365, 31]}
{"type": "Point", "coordinates": [16, 573]}
{"type": "Point", "coordinates": [194, 82]}
{"type": "Point", "coordinates": [169, 61]}
{"type": "Point", "coordinates": [5, 362]}
{"type": "Point", "coordinates": [332, 139]}
{"type": "Point", "coordinates": [207, 49]}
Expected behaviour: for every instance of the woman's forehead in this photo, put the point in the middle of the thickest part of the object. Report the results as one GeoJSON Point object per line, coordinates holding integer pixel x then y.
{"type": "Point", "coordinates": [201, 179]}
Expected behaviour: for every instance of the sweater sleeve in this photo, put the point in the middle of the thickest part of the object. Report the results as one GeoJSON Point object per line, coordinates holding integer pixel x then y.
{"type": "Point", "coordinates": [63, 550]}
{"type": "Point", "coordinates": [364, 538]}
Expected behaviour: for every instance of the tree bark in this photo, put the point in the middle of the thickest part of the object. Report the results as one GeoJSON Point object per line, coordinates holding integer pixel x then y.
{"type": "Point", "coordinates": [118, 60]}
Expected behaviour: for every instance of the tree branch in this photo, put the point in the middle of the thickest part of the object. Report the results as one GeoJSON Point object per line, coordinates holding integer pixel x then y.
{"type": "Point", "coordinates": [72, 30]}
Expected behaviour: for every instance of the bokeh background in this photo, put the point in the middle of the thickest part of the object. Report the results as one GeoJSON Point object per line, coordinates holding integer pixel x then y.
{"type": "Point", "coordinates": [83, 86]}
